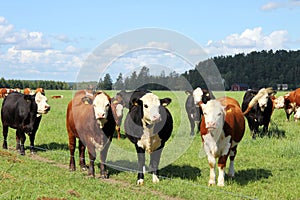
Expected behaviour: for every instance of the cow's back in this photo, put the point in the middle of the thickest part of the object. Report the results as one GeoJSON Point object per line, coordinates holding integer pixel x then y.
{"type": "Point", "coordinates": [17, 107]}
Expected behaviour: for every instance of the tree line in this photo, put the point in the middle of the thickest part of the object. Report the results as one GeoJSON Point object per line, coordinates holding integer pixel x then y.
{"type": "Point", "coordinates": [256, 69]}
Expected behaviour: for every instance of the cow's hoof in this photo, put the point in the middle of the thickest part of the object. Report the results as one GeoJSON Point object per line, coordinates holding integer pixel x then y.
{"type": "Point", "coordinates": [155, 179]}
{"type": "Point", "coordinates": [104, 175]}
{"type": "Point", "coordinates": [211, 183]}
{"type": "Point", "coordinates": [22, 153]}
{"type": "Point", "coordinates": [221, 184]}
{"type": "Point", "coordinates": [140, 182]}
{"type": "Point", "coordinates": [33, 152]}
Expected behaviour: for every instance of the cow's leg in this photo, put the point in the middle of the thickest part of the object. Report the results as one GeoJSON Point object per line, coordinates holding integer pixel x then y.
{"type": "Point", "coordinates": [154, 162]}
{"type": "Point", "coordinates": [141, 164]}
{"type": "Point", "coordinates": [92, 156]}
{"type": "Point", "coordinates": [103, 156]}
{"type": "Point", "coordinates": [232, 155]}
{"type": "Point", "coordinates": [192, 125]}
{"type": "Point", "coordinates": [221, 167]}
{"type": "Point", "coordinates": [72, 146]}
{"type": "Point", "coordinates": [212, 175]}
{"type": "Point", "coordinates": [81, 148]}
{"type": "Point", "coordinates": [32, 138]}
{"type": "Point", "coordinates": [5, 132]}
{"type": "Point", "coordinates": [20, 138]}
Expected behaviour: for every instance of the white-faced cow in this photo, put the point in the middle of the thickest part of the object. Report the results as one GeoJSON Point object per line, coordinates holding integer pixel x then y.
{"type": "Point", "coordinates": [222, 128]}
{"type": "Point", "coordinates": [258, 107]}
{"type": "Point", "coordinates": [193, 110]}
{"type": "Point", "coordinates": [90, 118]}
{"type": "Point", "coordinates": [23, 113]}
{"type": "Point", "coordinates": [290, 102]}
{"type": "Point", "coordinates": [148, 125]}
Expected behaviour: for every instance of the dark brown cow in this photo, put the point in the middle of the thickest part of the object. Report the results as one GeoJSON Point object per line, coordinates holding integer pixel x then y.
{"type": "Point", "coordinates": [90, 118]}
{"type": "Point", "coordinates": [222, 128]}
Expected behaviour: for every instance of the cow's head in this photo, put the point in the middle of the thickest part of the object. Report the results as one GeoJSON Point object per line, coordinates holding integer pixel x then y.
{"type": "Point", "coordinates": [150, 105]}
{"type": "Point", "coordinates": [279, 102]}
{"type": "Point", "coordinates": [41, 101]}
{"type": "Point", "coordinates": [197, 94]}
{"type": "Point", "coordinates": [214, 114]}
{"type": "Point", "coordinates": [101, 104]}
{"type": "Point", "coordinates": [117, 109]}
{"type": "Point", "coordinates": [261, 98]}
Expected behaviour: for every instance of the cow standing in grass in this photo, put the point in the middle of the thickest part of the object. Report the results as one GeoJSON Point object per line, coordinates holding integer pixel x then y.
{"type": "Point", "coordinates": [258, 107]}
{"type": "Point", "coordinates": [222, 128]}
{"type": "Point", "coordinates": [148, 125]}
{"type": "Point", "coordinates": [193, 110]}
{"type": "Point", "coordinates": [23, 113]}
{"type": "Point", "coordinates": [90, 118]}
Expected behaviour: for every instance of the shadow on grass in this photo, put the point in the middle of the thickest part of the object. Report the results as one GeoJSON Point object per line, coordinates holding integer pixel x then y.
{"type": "Point", "coordinates": [273, 131]}
{"type": "Point", "coordinates": [171, 171]}
{"type": "Point", "coordinates": [183, 172]}
{"type": "Point", "coordinates": [52, 146]}
{"type": "Point", "coordinates": [243, 177]}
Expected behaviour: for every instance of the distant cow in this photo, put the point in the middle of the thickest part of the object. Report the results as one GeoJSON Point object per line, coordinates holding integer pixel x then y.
{"type": "Point", "coordinates": [27, 91]}
{"type": "Point", "coordinates": [222, 128]}
{"type": "Point", "coordinates": [3, 92]}
{"type": "Point", "coordinates": [258, 107]}
{"type": "Point", "coordinates": [23, 113]}
{"type": "Point", "coordinates": [57, 96]}
{"type": "Point", "coordinates": [90, 118]}
{"type": "Point", "coordinates": [192, 108]}
{"type": "Point", "coordinates": [148, 125]}
{"type": "Point", "coordinates": [290, 102]}
{"type": "Point", "coordinates": [41, 90]}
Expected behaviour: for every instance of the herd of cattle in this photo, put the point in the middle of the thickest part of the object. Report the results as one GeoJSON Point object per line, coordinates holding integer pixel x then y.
{"type": "Point", "coordinates": [93, 117]}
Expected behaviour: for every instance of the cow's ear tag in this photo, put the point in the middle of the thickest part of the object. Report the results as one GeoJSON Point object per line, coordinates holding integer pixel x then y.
{"type": "Point", "coordinates": [229, 110]}
{"type": "Point", "coordinates": [86, 102]}
{"type": "Point", "coordinates": [135, 104]}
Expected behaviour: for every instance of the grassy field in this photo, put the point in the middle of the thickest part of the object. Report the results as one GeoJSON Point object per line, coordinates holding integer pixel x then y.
{"type": "Point", "coordinates": [266, 168]}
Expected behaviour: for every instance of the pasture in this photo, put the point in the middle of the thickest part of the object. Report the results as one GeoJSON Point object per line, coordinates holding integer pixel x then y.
{"type": "Point", "coordinates": [266, 168]}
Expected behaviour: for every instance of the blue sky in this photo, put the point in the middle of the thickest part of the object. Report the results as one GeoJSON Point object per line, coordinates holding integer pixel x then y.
{"type": "Point", "coordinates": [52, 39]}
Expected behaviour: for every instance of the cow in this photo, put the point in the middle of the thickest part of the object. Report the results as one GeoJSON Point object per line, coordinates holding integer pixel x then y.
{"type": "Point", "coordinates": [148, 125]}
{"type": "Point", "coordinates": [119, 102]}
{"type": "Point", "coordinates": [3, 92]}
{"type": "Point", "coordinates": [41, 90]}
{"type": "Point", "coordinates": [57, 96]}
{"type": "Point", "coordinates": [222, 128]}
{"type": "Point", "coordinates": [290, 102]}
{"type": "Point", "coordinates": [117, 108]}
{"type": "Point", "coordinates": [192, 107]}
{"type": "Point", "coordinates": [258, 107]}
{"type": "Point", "coordinates": [90, 119]}
{"type": "Point", "coordinates": [27, 91]}
{"type": "Point", "coordinates": [297, 114]}
{"type": "Point", "coordinates": [23, 113]}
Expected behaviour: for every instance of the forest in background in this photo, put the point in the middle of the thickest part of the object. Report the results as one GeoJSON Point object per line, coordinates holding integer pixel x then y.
{"type": "Point", "coordinates": [256, 69]}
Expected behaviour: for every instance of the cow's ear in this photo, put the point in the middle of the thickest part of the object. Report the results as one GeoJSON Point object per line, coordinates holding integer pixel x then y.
{"type": "Point", "coordinates": [136, 102]}
{"type": "Point", "coordinates": [187, 92]}
{"type": "Point", "coordinates": [86, 100]}
{"type": "Point", "coordinates": [166, 101]}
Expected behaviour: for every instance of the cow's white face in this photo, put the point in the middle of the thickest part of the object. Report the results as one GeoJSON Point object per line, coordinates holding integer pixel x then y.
{"type": "Point", "coordinates": [150, 108]}
{"type": "Point", "coordinates": [279, 102]}
{"type": "Point", "coordinates": [214, 114]}
{"type": "Point", "coordinates": [41, 101]}
{"type": "Point", "coordinates": [197, 94]}
{"type": "Point", "coordinates": [263, 101]}
{"type": "Point", "coordinates": [101, 105]}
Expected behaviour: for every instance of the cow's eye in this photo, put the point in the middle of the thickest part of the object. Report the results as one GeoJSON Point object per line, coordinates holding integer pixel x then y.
{"type": "Point", "coordinates": [107, 105]}
{"type": "Point", "coordinates": [145, 105]}
{"type": "Point", "coordinates": [219, 114]}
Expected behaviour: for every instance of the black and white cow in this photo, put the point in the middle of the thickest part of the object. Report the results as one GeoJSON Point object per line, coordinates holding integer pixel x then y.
{"type": "Point", "coordinates": [258, 107]}
{"type": "Point", "coordinates": [193, 110]}
{"type": "Point", "coordinates": [23, 113]}
{"type": "Point", "coordinates": [148, 125]}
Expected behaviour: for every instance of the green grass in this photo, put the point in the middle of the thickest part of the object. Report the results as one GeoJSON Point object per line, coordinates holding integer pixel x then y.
{"type": "Point", "coordinates": [266, 168]}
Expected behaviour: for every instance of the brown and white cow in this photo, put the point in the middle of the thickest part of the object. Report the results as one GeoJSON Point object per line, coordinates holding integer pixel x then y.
{"type": "Point", "coordinates": [3, 92]}
{"type": "Point", "coordinates": [90, 118]}
{"type": "Point", "coordinates": [57, 96]}
{"type": "Point", "coordinates": [290, 102]}
{"type": "Point", "coordinates": [222, 128]}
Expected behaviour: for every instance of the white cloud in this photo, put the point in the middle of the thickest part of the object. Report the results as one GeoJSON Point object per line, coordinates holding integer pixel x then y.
{"type": "Point", "coordinates": [290, 4]}
{"type": "Point", "coordinates": [249, 40]}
